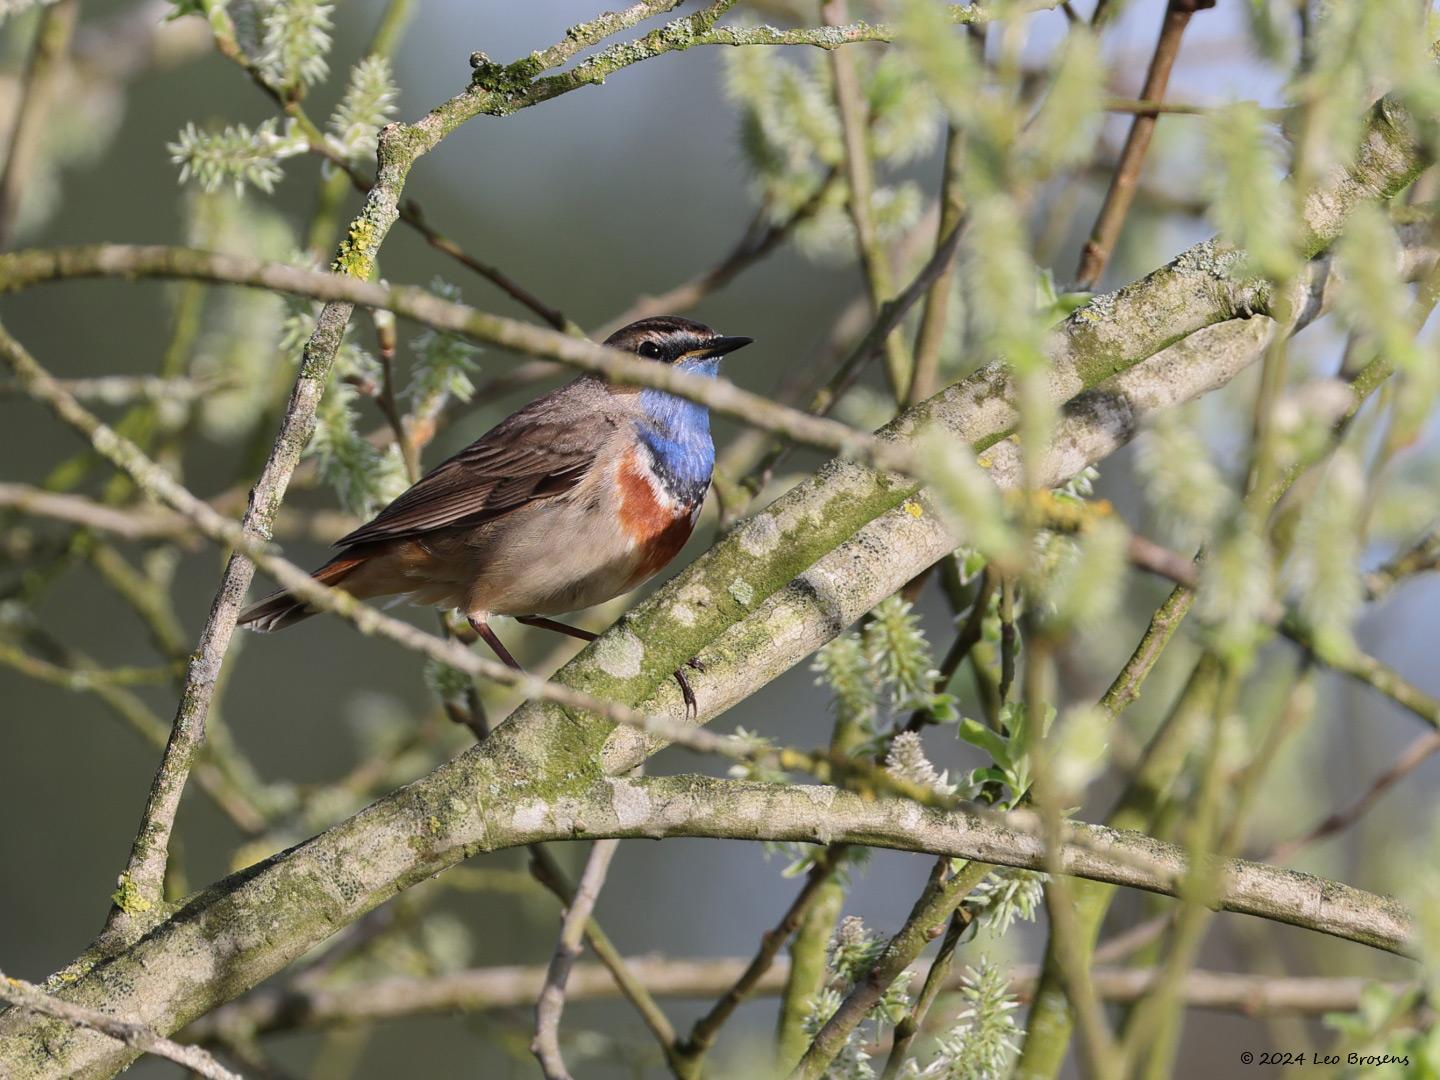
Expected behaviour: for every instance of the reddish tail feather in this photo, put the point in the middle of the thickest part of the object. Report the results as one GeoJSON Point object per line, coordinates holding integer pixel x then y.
{"type": "Point", "coordinates": [281, 609]}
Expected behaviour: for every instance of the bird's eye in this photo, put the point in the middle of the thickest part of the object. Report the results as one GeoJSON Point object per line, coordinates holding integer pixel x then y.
{"type": "Point", "coordinates": [649, 350]}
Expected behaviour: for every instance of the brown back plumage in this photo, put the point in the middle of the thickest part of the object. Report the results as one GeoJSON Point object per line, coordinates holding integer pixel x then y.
{"type": "Point", "coordinates": [540, 451]}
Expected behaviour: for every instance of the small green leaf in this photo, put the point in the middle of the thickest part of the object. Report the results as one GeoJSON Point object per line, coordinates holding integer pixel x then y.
{"type": "Point", "coordinates": [977, 734]}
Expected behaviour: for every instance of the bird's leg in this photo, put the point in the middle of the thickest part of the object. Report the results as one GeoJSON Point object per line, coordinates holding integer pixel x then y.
{"type": "Point", "coordinates": [691, 706]}
{"type": "Point", "coordinates": [557, 627]}
{"type": "Point", "coordinates": [481, 627]}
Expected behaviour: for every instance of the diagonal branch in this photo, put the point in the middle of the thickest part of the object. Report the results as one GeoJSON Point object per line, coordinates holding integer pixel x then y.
{"type": "Point", "coordinates": [1126, 181]}
{"type": "Point", "coordinates": [476, 990]}
{"type": "Point", "coordinates": [26, 997]}
{"type": "Point", "coordinates": [551, 1004]}
{"type": "Point", "coordinates": [47, 56]}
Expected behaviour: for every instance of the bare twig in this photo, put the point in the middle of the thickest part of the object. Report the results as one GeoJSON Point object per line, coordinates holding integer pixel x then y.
{"type": "Point", "coordinates": [1421, 557]}
{"type": "Point", "coordinates": [24, 995]}
{"type": "Point", "coordinates": [1118, 198]}
{"type": "Point", "coordinates": [761, 237]}
{"type": "Point", "coordinates": [1358, 665]}
{"type": "Point", "coordinates": [859, 176]}
{"type": "Point", "coordinates": [305, 1007]}
{"type": "Point", "coordinates": [144, 523]}
{"type": "Point", "coordinates": [125, 389]}
{"type": "Point", "coordinates": [548, 1009]}
{"type": "Point", "coordinates": [935, 979]}
{"type": "Point", "coordinates": [52, 41]}
{"type": "Point", "coordinates": [1410, 759]}
{"type": "Point", "coordinates": [925, 379]}
{"type": "Point", "coordinates": [546, 870]}
{"type": "Point", "coordinates": [702, 1035]}
{"type": "Point", "coordinates": [943, 894]}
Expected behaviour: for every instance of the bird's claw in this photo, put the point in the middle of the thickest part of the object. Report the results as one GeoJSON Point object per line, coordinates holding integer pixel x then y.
{"type": "Point", "coordinates": [692, 708]}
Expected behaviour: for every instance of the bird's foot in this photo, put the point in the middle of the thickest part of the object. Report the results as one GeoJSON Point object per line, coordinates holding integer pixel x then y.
{"type": "Point", "coordinates": [692, 708]}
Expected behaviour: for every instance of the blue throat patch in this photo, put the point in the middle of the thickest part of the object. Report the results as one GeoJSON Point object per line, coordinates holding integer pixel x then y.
{"type": "Point", "coordinates": [677, 434]}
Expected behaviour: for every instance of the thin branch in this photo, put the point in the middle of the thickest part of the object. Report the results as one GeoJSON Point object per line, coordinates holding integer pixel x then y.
{"type": "Point", "coordinates": [1410, 759]}
{"type": "Point", "coordinates": [881, 330]}
{"type": "Point", "coordinates": [760, 239]}
{"type": "Point", "coordinates": [149, 522]}
{"type": "Point", "coordinates": [860, 179]}
{"type": "Point", "coordinates": [52, 41]}
{"type": "Point", "coordinates": [1082, 350]}
{"type": "Point", "coordinates": [1101, 245]}
{"type": "Point", "coordinates": [546, 870]}
{"type": "Point", "coordinates": [1148, 555]}
{"type": "Point", "coordinates": [143, 523]}
{"type": "Point", "coordinates": [24, 268]}
{"type": "Point", "coordinates": [965, 641]}
{"type": "Point", "coordinates": [702, 1035]}
{"type": "Point", "coordinates": [1421, 557]}
{"type": "Point", "coordinates": [478, 990]}
{"type": "Point", "coordinates": [925, 379]}
{"type": "Point", "coordinates": [943, 894]}
{"type": "Point", "coordinates": [29, 997]}
{"type": "Point", "coordinates": [1147, 107]}
{"type": "Point", "coordinates": [127, 389]}
{"type": "Point", "coordinates": [935, 980]}
{"type": "Point", "coordinates": [551, 1004]}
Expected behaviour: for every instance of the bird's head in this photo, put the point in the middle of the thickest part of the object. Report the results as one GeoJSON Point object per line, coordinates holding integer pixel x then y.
{"type": "Point", "coordinates": [668, 339]}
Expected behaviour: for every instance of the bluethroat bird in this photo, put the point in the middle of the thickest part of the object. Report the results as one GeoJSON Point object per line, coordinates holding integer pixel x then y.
{"type": "Point", "coordinates": [582, 495]}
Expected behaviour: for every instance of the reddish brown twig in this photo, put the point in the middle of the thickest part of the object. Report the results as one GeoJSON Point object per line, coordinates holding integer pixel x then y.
{"type": "Point", "coordinates": [1413, 756]}
{"type": "Point", "coordinates": [1101, 245]}
{"type": "Point", "coordinates": [761, 237]}
{"type": "Point", "coordinates": [702, 1035]}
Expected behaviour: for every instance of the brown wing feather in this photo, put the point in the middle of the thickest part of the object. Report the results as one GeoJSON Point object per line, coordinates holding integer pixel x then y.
{"type": "Point", "coordinates": [541, 451]}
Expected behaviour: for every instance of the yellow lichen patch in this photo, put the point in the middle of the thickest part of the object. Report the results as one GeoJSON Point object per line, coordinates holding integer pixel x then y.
{"type": "Point", "coordinates": [128, 897]}
{"type": "Point", "coordinates": [353, 258]}
{"type": "Point", "coordinates": [913, 508]}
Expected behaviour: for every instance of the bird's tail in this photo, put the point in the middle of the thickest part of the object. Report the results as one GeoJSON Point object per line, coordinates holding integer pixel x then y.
{"type": "Point", "coordinates": [282, 609]}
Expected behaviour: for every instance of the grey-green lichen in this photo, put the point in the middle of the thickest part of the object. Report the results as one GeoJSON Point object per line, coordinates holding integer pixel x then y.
{"type": "Point", "coordinates": [1220, 261]}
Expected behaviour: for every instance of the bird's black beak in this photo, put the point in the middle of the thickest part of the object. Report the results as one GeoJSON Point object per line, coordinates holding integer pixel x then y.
{"type": "Point", "coordinates": [722, 345]}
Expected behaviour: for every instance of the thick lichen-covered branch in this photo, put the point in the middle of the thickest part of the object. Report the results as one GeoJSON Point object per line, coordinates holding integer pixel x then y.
{"type": "Point", "coordinates": [176, 974]}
